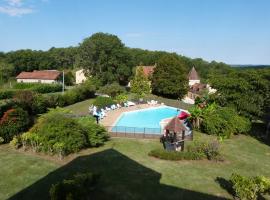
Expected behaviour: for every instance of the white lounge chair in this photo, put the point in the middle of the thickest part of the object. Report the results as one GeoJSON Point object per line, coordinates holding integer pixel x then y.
{"type": "Point", "coordinates": [130, 103]}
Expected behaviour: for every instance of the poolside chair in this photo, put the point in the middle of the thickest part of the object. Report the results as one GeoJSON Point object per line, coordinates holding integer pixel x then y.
{"type": "Point", "coordinates": [130, 103]}
{"type": "Point", "coordinates": [118, 105]}
{"type": "Point", "coordinates": [126, 104]}
{"type": "Point", "coordinates": [107, 108]}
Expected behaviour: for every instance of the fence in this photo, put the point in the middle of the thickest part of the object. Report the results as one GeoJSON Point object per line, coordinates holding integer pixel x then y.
{"type": "Point", "coordinates": [134, 132]}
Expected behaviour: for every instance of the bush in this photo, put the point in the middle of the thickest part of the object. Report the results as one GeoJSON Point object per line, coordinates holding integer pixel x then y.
{"type": "Point", "coordinates": [5, 105]}
{"type": "Point", "coordinates": [101, 102]}
{"type": "Point", "coordinates": [121, 98]}
{"type": "Point", "coordinates": [249, 187]}
{"type": "Point", "coordinates": [224, 122]}
{"type": "Point", "coordinates": [16, 142]}
{"type": "Point", "coordinates": [112, 90]}
{"type": "Point", "coordinates": [6, 94]}
{"type": "Point", "coordinates": [55, 128]}
{"type": "Point", "coordinates": [195, 151]}
{"type": "Point", "coordinates": [96, 134]}
{"type": "Point", "coordinates": [81, 186]}
{"type": "Point", "coordinates": [56, 132]}
{"type": "Point", "coordinates": [13, 122]}
{"type": "Point", "coordinates": [39, 87]}
{"type": "Point", "coordinates": [175, 155]}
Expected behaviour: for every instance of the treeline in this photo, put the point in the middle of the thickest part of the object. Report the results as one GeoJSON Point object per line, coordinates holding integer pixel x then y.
{"type": "Point", "coordinates": [102, 55]}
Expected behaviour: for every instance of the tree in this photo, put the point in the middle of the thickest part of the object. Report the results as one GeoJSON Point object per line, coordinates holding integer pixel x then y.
{"type": "Point", "coordinates": [103, 55]}
{"type": "Point", "coordinates": [170, 77]}
{"type": "Point", "coordinates": [247, 91]}
{"type": "Point", "coordinates": [140, 84]}
{"type": "Point", "coordinates": [6, 71]}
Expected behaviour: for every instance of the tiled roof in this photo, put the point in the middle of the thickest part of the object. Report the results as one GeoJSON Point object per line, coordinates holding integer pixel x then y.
{"type": "Point", "coordinates": [193, 75]}
{"type": "Point", "coordinates": [42, 75]}
{"type": "Point", "coordinates": [175, 125]}
{"type": "Point", "coordinates": [148, 70]}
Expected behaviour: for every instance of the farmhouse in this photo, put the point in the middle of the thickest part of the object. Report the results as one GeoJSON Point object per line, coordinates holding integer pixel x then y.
{"type": "Point", "coordinates": [43, 76]}
{"type": "Point", "coordinates": [80, 76]}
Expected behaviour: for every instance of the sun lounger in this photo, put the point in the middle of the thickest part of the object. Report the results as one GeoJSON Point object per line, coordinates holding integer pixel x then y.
{"type": "Point", "coordinates": [130, 103]}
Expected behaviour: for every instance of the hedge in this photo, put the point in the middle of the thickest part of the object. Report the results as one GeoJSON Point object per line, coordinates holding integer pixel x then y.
{"type": "Point", "coordinates": [175, 155]}
{"type": "Point", "coordinates": [195, 151]}
{"type": "Point", "coordinates": [39, 87]}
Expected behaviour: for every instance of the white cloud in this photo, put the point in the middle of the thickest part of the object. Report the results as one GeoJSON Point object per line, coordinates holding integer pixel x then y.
{"type": "Point", "coordinates": [15, 11]}
{"type": "Point", "coordinates": [15, 8]}
{"type": "Point", "coordinates": [14, 2]}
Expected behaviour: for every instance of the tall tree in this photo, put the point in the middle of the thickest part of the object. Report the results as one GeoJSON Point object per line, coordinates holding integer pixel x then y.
{"type": "Point", "coordinates": [170, 77]}
{"type": "Point", "coordinates": [140, 84]}
{"type": "Point", "coordinates": [103, 55]}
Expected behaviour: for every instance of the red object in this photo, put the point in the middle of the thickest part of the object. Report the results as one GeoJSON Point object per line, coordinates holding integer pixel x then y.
{"type": "Point", "coordinates": [183, 115]}
{"type": "Point", "coordinates": [43, 74]}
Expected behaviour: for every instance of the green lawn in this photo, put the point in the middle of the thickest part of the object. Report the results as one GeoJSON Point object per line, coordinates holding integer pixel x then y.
{"type": "Point", "coordinates": [81, 108]}
{"type": "Point", "coordinates": [129, 173]}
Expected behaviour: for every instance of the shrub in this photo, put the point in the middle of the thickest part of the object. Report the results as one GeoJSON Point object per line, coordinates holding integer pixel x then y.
{"type": "Point", "coordinates": [24, 99]}
{"type": "Point", "coordinates": [224, 122]}
{"type": "Point", "coordinates": [39, 87]}
{"type": "Point", "coordinates": [249, 187]}
{"type": "Point", "coordinates": [13, 122]}
{"type": "Point", "coordinates": [56, 127]}
{"type": "Point", "coordinates": [5, 105]}
{"type": "Point", "coordinates": [195, 151]}
{"type": "Point", "coordinates": [96, 134]}
{"type": "Point", "coordinates": [112, 90]}
{"type": "Point", "coordinates": [56, 132]}
{"type": "Point", "coordinates": [16, 142]}
{"type": "Point", "coordinates": [175, 155]}
{"type": "Point", "coordinates": [101, 102]}
{"type": "Point", "coordinates": [81, 186]}
{"type": "Point", "coordinates": [6, 94]}
{"type": "Point", "coordinates": [121, 98]}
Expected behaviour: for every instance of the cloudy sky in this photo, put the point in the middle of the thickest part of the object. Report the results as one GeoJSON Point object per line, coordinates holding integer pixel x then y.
{"type": "Point", "coordinates": [232, 31]}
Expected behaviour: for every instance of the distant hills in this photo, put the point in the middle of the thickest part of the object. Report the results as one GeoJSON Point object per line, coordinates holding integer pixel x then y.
{"type": "Point", "coordinates": [250, 66]}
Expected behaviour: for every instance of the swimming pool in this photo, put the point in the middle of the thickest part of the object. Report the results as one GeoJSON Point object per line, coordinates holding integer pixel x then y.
{"type": "Point", "coordinates": [145, 120]}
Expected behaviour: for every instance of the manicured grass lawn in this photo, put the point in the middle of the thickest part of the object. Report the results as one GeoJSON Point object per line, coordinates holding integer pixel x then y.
{"type": "Point", "coordinates": [127, 172]}
{"type": "Point", "coordinates": [81, 108]}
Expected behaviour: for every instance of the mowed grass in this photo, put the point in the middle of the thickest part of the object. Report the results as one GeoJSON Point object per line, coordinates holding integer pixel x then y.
{"type": "Point", "coordinates": [127, 172]}
{"type": "Point", "coordinates": [81, 108]}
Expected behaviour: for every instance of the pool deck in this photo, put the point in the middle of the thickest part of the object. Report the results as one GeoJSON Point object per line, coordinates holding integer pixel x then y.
{"type": "Point", "coordinates": [113, 115]}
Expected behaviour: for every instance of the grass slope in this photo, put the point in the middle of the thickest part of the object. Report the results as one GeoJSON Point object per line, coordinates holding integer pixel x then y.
{"type": "Point", "coordinates": [81, 108]}
{"type": "Point", "coordinates": [129, 173]}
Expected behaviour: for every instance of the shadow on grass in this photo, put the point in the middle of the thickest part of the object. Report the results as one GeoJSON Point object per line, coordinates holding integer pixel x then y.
{"type": "Point", "coordinates": [258, 131]}
{"type": "Point", "coordinates": [121, 178]}
{"type": "Point", "coordinates": [226, 185]}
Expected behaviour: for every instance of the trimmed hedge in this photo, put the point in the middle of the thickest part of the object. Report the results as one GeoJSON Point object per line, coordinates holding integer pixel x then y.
{"type": "Point", "coordinates": [195, 151]}
{"type": "Point", "coordinates": [39, 87]}
{"type": "Point", "coordinates": [175, 155]}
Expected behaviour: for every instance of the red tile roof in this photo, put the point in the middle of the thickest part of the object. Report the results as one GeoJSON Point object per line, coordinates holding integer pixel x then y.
{"type": "Point", "coordinates": [193, 75]}
{"type": "Point", "coordinates": [148, 70]}
{"type": "Point", "coordinates": [43, 75]}
{"type": "Point", "coordinates": [175, 125]}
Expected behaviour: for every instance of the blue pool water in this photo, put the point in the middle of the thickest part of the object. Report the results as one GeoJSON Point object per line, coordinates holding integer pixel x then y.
{"type": "Point", "coordinates": [144, 121]}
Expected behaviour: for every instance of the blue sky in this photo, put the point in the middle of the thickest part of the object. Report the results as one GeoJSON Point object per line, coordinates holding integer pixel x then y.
{"type": "Point", "coordinates": [231, 31]}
